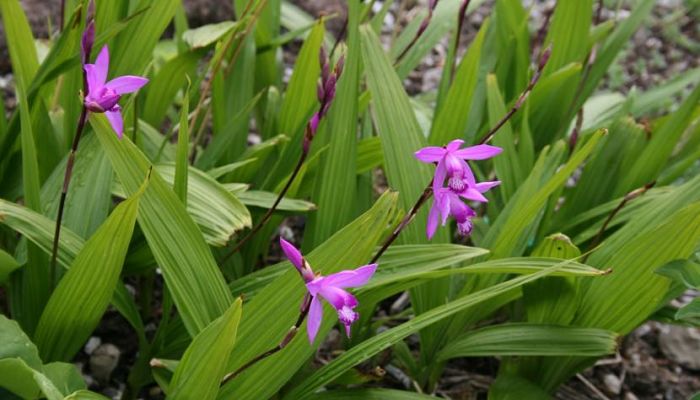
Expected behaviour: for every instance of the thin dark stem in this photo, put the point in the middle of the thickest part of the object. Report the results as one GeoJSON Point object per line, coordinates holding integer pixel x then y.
{"type": "Point", "coordinates": [599, 12]}
{"type": "Point", "coordinates": [628, 197]}
{"type": "Point", "coordinates": [64, 193]}
{"type": "Point", "coordinates": [62, 16]}
{"type": "Point", "coordinates": [269, 212]}
{"type": "Point", "coordinates": [291, 333]}
{"type": "Point", "coordinates": [427, 193]}
{"type": "Point", "coordinates": [419, 33]}
{"type": "Point", "coordinates": [523, 96]}
{"type": "Point", "coordinates": [340, 37]}
{"type": "Point", "coordinates": [215, 70]}
{"type": "Point", "coordinates": [458, 33]}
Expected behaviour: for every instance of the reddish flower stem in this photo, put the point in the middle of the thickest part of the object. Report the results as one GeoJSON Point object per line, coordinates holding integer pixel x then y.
{"type": "Point", "coordinates": [271, 210]}
{"type": "Point", "coordinates": [291, 333]}
{"type": "Point", "coordinates": [419, 33]}
{"type": "Point", "coordinates": [64, 193]}
{"type": "Point", "coordinates": [428, 191]}
{"type": "Point", "coordinates": [458, 33]}
{"type": "Point", "coordinates": [628, 197]}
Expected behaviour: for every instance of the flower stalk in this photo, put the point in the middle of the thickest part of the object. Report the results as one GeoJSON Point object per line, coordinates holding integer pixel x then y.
{"type": "Point", "coordinates": [330, 288]}
{"type": "Point", "coordinates": [423, 26]}
{"type": "Point", "coordinates": [326, 94]}
{"type": "Point", "coordinates": [86, 48]}
{"type": "Point", "coordinates": [628, 197]}
{"type": "Point", "coordinates": [429, 190]}
{"type": "Point", "coordinates": [99, 96]}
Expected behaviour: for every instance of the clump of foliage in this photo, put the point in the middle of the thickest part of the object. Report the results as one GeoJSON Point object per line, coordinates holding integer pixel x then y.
{"type": "Point", "coordinates": [176, 160]}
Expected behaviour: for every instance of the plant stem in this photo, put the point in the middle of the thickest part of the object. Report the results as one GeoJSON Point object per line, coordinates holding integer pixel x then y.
{"type": "Point", "coordinates": [64, 193]}
{"type": "Point", "coordinates": [269, 212]}
{"type": "Point", "coordinates": [523, 96]}
{"type": "Point", "coordinates": [291, 333]}
{"type": "Point", "coordinates": [215, 71]}
{"type": "Point", "coordinates": [428, 191]}
{"type": "Point", "coordinates": [628, 197]}
{"type": "Point", "coordinates": [458, 33]}
{"type": "Point", "coordinates": [419, 33]}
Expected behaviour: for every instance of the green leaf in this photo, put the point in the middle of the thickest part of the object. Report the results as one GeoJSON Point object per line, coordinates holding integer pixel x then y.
{"type": "Point", "coordinates": [193, 278]}
{"type": "Point", "coordinates": [553, 300]}
{"type": "Point", "coordinates": [401, 137]}
{"type": "Point", "coordinates": [161, 90]}
{"type": "Point", "coordinates": [40, 230]}
{"type": "Point", "coordinates": [613, 46]}
{"type": "Point", "coordinates": [370, 394]}
{"type": "Point", "coordinates": [203, 365]}
{"type": "Point", "coordinates": [89, 196]}
{"type": "Point", "coordinates": [135, 44]}
{"type": "Point", "coordinates": [20, 41]}
{"type": "Point", "coordinates": [214, 208]}
{"type": "Point", "coordinates": [7, 265]}
{"type": "Point", "coordinates": [183, 150]}
{"type": "Point", "coordinates": [14, 343]}
{"type": "Point", "coordinates": [83, 294]}
{"type": "Point", "coordinates": [685, 272]}
{"type": "Point", "coordinates": [451, 118]}
{"type": "Point", "coordinates": [335, 189]}
{"type": "Point", "coordinates": [649, 164]}
{"type": "Point", "coordinates": [507, 165]}
{"type": "Point", "coordinates": [205, 35]}
{"type": "Point", "coordinates": [299, 100]}
{"type": "Point", "coordinates": [519, 214]}
{"type": "Point", "coordinates": [381, 341]}
{"type": "Point", "coordinates": [689, 311]}
{"type": "Point", "coordinates": [257, 198]}
{"type": "Point", "coordinates": [568, 34]}
{"type": "Point", "coordinates": [524, 339]}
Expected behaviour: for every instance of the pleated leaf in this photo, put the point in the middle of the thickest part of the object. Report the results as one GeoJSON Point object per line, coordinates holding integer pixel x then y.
{"type": "Point", "coordinates": [523, 339]}
{"type": "Point", "coordinates": [193, 278]}
{"type": "Point", "coordinates": [203, 365]}
{"type": "Point", "coordinates": [83, 294]}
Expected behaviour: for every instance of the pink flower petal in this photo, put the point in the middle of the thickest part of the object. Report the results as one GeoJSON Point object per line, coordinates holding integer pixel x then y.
{"type": "Point", "coordinates": [430, 154]}
{"type": "Point", "coordinates": [336, 296]}
{"type": "Point", "coordinates": [454, 145]}
{"type": "Point", "coordinates": [102, 66]}
{"type": "Point", "coordinates": [440, 175]}
{"type": "Point", "coordinates": [454, 165]}
{"type": "Point", "coordinates": [473, 194]}
{"type": "Point", "coordinates": [485, 186]}
{"type": "Point", "coordinates": [433, 220]}
{"type": "Point", "coordinates": [351, 278]}
{"type": "Point", "coordinates": [293, 255]}
{"type": "Point", "coordinates": [126, 84]}
{"type": "Point", "coordinates": [315, 318]}
{"type": "Point", "coordinates": [460, 211]}
{"type": "Point", "coordinates": [93, 85]}
{"type": "Point", "coordinates": [479, 152]}
{"type": "Point", "coordinates": [115, 119]}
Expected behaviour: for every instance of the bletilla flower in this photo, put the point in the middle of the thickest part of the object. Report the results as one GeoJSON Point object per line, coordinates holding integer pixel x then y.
{"type": "Point", "coordinates": [447, 203]}
{"type": "Point", "coordinates": [452, 165]}
{"type": "Point", "coordinates": [331, 288]}
{"type": "Point", "coordinates": [103, 96]}
{"type": "Point", "coordinates": [452, 161]}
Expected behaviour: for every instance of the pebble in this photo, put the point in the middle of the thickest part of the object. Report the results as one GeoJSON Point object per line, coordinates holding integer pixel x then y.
{"type": "Point", "coordinates": [681, 345]}
{"type": "Point", "coordinates": [103, 361]}
{"type": "Point", "coordinates": [613, 385]}
{"type": "Point", "coordinates": [92, 344]}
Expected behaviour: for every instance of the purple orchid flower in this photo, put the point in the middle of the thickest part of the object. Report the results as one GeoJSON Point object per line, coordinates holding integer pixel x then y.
{"type": "Point", "coordinates": [331, 288]}
{"type": "Point", "coordinates": [103, 96]}
{"type": "Point", "coordinates": [452, 164]}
